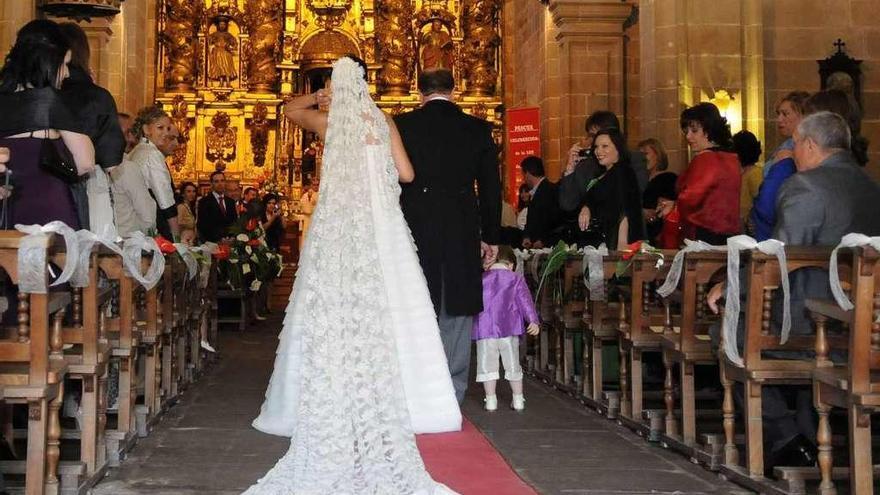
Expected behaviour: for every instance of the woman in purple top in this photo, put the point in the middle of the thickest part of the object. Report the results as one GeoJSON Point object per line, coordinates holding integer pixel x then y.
{"type": "Point", "coordinates": [507, 303]}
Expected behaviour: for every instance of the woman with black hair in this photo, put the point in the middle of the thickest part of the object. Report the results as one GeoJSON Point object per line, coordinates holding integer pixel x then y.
{"type": "Point", "coordinates": [708, 190]}
{"type": "Point", "coordinates": [612, 213]}
{"type": "Point", "coordinates": [43, 137]}
{"type": "Point", "coordinates": [186, 208]}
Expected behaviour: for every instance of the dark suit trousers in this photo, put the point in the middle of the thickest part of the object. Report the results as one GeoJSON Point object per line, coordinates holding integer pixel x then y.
{"type": "Point", "coordinates": [455, 333]}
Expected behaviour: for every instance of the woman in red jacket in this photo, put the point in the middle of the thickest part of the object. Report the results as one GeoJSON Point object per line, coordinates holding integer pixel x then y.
{"type": "Point", "coordinates": [708, 191]}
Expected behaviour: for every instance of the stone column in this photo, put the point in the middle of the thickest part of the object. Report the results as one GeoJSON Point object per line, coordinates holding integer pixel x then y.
{"type": "Point", "coordinates": [589, 34]}
{"type": "Point", "coordinates": [13, 15]}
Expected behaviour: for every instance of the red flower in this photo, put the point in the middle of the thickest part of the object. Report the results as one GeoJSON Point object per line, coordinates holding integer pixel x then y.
{"type": "Point", "coordinates": [631, 250]}
{"type": "Point", "coordinates": [166, 246]}
{"type": "Point", "coordinates": [253, 242]}
{"type": "Point", "coordinates": [252, 224]}
{"type": "Point", "coordinates": [223, 252]}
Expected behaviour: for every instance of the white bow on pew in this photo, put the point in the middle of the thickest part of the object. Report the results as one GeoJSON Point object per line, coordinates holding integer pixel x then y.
{"type": "Point", "coordinates": [32, 256]}
{"type": "Point", "coordinates": [731, 307]}
{"type": "Point", "coordinates": [131, 257]}
{"type": "Point", "coordinates": [674, 275]}
{"type": "Point", "coordinates": [594, 273]}
{"type": "Point", "coordinates": [87, 239]}
{"type": "Point", "coordinates": [192, 266]}
{"type": "Point", "coordinates": [849, 240]}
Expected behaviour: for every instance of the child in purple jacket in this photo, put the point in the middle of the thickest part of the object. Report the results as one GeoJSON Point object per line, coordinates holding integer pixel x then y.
{"type": "Point", "coordinates": [507, 303]}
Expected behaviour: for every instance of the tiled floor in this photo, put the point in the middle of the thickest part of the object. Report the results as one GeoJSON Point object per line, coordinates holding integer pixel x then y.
{"type": "Point", "coordinates": [205, 444]}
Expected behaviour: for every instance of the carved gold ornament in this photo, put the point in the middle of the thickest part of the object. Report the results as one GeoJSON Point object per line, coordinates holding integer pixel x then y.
{"type": "Point", "coordinates": [220, 139]}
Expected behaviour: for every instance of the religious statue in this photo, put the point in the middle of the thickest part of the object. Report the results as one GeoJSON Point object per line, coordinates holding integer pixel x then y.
{"type": "Point", "coordinates": [436, 46]}
{"type": "Point", "coordinates": [179, 37]}
{"type": "Point", "coordinates": [221, 60]}
{"type": "Point", "coordinates": [260, 134]}
{"type": "Point", "coordinates": [481, 41]}
{"type": "Point", "coordinates": [395, 45]}
{"type": "Point", "coordinates": [263, 18]}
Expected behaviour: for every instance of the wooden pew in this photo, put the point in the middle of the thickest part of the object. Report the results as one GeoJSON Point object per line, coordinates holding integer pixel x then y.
{"type": "Point", "coordinates": [762, 279]}
{"type": "Point", "coordinates": [32, 369]}
{"type": "Point", "coordinates": [602, 321]}
{"type": "Point", "coordinates": [571, 322]}
{"type": "Point", "coordinates": [640, 330]}
{"type": "Point", "coordinates": [854, 385]}
{"type": "Point", "coordinates": [171, 319]}
{"type": "Point", "coordinates": [688, 345]}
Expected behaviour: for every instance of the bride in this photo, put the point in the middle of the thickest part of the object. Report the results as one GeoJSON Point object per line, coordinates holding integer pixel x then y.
{"type": "Point", "coordinates": [360, 367]}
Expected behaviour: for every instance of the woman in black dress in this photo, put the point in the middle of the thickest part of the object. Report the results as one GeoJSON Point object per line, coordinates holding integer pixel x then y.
{"type": "Point", "coordinates": [661, 185]}
{"type": "Point", "coordinates": [613, 210]}
{"type": "Point", "coordinates": [38, 129]}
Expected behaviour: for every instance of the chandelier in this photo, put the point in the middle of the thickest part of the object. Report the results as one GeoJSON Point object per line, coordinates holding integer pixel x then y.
{"type": "Point", "coordinates": [80, 9]}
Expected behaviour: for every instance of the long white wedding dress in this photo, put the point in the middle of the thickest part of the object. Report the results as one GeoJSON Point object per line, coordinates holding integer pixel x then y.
{"type": "Point", "coordinates": [360, 366]}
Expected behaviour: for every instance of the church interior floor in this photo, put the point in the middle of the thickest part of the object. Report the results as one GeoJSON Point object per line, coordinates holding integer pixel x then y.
{"type": "Point", "coordinates": [205, 445]}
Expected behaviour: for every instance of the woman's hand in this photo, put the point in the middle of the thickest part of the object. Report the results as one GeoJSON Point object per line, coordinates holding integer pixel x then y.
{"type": "Point", "coordinates": [715, 294]}
{"type": "Point", "coordinates": [4, 159]}
{"type": "Point", "coordinates": [584, 218]}
{"type": "Point", "coordinates": [664, 207]}
{"type": "Point", "coordinates": [573, 156]}
{"type": "Point", "coordinates": [323, 97]}
{"type": "Point", "coordinates": [533, 329]}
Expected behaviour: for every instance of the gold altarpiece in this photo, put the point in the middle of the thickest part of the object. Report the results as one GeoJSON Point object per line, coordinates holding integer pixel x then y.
{"type": "Point", "coordinates": [227, 66]}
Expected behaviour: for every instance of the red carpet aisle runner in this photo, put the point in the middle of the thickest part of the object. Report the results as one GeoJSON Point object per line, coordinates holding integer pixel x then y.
{"type": "Point", "coordinates": [467, 463]}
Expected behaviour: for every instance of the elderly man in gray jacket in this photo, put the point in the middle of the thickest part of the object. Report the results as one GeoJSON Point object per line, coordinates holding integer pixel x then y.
{"type": "Point", "coordinates": [829, 197]}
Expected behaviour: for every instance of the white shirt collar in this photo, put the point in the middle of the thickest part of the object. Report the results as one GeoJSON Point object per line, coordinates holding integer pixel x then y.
{"type": "Point", "coordinates": [217, 196]}
{"type": "Point", "coordinates": [499, 266]}
{"type": "Point", "coordinates": [532, 192]}
{"type": "Point", "coordinates": [439, 97]}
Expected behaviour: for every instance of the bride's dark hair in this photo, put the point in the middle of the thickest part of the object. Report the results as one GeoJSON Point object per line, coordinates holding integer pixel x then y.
{"type": "Point", "coordinates": [358, 61]}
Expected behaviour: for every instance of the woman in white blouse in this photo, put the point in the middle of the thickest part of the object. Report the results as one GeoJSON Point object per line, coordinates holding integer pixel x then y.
{"type": "Point", "coordinates": [158, 138]}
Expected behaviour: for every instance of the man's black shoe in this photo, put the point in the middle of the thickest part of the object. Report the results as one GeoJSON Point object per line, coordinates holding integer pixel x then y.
{"type": "Point", "coordinates": [798, 452]}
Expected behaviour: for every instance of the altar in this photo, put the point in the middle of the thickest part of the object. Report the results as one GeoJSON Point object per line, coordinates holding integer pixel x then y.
{"type": "Point", "coordinates": [226, 67]}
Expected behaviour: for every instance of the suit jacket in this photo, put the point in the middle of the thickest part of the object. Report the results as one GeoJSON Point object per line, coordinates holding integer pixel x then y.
{"type": "Point", "coordinates": [543, 215]}
{"type": "Point", "coordinates": [573, 187]}
{"type": "Point", "coordinates": [450, 152]}
{"type": "Point", "coordinates": [211, 222]}
{"type": "Point", "coordinates": [817, 208]}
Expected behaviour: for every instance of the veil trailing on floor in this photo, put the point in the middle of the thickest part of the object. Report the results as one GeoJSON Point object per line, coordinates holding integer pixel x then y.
{"type": "Point", "coordinates": [360, 360]}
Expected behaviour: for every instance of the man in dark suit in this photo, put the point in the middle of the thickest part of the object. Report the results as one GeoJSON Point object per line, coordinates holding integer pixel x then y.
{"type": "Point", "coordinates": [216, 212]}
{"type": "Point", "coordinates": [829, 196]}
{"type": "Point", "coordinates": [452, 224]}
{"type": "Point", "coordinates": [542, 219]}
{"type": "Point", "coordinates": [582, 166]}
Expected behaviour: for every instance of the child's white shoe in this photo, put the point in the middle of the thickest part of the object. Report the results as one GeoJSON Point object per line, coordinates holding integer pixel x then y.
{"type": "Point", "coordinates": [518, 403]}
{"type": "Point", "coordinates": [491, 403]}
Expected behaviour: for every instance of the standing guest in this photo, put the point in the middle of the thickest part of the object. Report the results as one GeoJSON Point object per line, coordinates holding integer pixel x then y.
{"type": "Point", "coordinates": [248, 197]}
{"type": "Point", "coordinates": [272, 222]}
{"type": "Point", "coordinates": [95, 110]}
{"type": "Point", "coordinates": [125, 124]}
{"type": "Point", "coordinates": [661, 185]}
{"type": "Point", "coordinates": [522, 206]}
{"type": "Point", "coordinates": [789, 113]}
{"type": "Point", "coordinates": [159, 138]}
{"type": "Point", "coordinates": [38, 128]}
{"type": "Point", "coordinates": [307, 203]}
{"type": "Point", "coordinates": [708, 191]}
{"type": "Point", "coordinates": [748, 150]}
{"type": "Point", "coordinates": [134, 208]}
{"type": "Point", "coordinates": [216, 212]}
{"type": "Point", "coordinates": [186, 210]}
{"type": "Point", "coordinates": [543, 216]}
{"type": "Point", "coordinates": [451, 222]}
{"type": "Point", "coordinates": [612, 212]}
{"type": "Point", "coordinates": [582, 166]}
{"type": "Point", "coordinates": [507, 304]}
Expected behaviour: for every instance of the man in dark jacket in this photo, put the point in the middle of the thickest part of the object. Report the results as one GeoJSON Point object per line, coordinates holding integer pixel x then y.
{"type": "Point", "coordinates": [216, 211]}
{"type": "Point", "coordinates": [95, 109]}
{"type": "Point", "coordinates": [452, 224]}
{"type": "Point", "coordinates": [542, 219]}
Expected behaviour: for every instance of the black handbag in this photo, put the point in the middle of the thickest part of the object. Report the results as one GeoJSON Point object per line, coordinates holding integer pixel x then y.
{"type": "Point", "coordinates": [58, 162]}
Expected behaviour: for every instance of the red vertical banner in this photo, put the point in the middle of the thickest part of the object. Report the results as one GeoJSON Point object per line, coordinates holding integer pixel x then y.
{"type": "Point", "coordinates": [523, 129]}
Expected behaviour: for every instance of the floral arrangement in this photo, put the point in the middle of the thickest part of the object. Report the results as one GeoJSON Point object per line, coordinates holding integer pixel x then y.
{"type": "Point", "coordinates": [245, 260]}
{"type": "Point", "coordinates": [638, 247]}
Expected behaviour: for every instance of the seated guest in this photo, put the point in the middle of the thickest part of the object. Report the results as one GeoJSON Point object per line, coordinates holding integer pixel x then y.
{"type": "Point", "coordinates": [543, 216]}
{"type": "Point", "coordinates": [828, 197]}
{"type": "Point", "coordinates": [612, 212]}
{"type": "Point", "coordinates": [186, 209]}
{"type": "Point", "coordinates": [216, 211]}
{"type": "Point", "coordinates": [661, 186]}
{"type": "Point", "coordinates": [95, 110]}
{"type": "Point", "coordinates": [748, 150]}
{"type": "Point", "coordinates": [38, 128]}
{"type": "Point", "coordinates": [708, 190]}
{"type": "Point", "coordinates": [583, 167]}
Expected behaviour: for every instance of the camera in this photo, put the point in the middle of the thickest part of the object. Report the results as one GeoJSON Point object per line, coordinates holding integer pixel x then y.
{"type": "Point", "coordinates": [584, 152]}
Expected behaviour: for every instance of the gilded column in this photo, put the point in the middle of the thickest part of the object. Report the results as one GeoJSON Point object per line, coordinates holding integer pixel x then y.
{"type": "Point", "coordinates": [479, 20]}
{"type": "Point", "coordinates": [263, 19]}
{"type": "Point", "coordinates": [395, 46]}
{"type": "Point", "coordinates": [180, 41]}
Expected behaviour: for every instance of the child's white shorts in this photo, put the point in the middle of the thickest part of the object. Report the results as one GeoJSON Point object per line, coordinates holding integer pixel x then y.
{"type": "Point", "coordinates": [488, 353]}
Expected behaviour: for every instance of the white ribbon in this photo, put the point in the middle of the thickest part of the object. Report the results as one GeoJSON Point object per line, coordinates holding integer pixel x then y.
{"type": "Point", "coordinates": [594, 271]}
{"type": "Point", "coordinates": [674, 275]}
{"type": "Point", "coordinates": [192, 266]}
{"type": "Point", "coordinates": [849, 240]}
{"type": "Point", "coordinates": [131, 257]}
{"type": "Point", "coordinates": [208, 248]}
{"type": "Point", "coordinates": [87, 240]}
{"type": "Point", "coordinates": [32, 256]}
{"type": "Point", "coordinates": [521, 257]}
{"type": "Point", "coordinates": [537, 254]}
{"type": "Point", "coordinates": [731, 308]}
